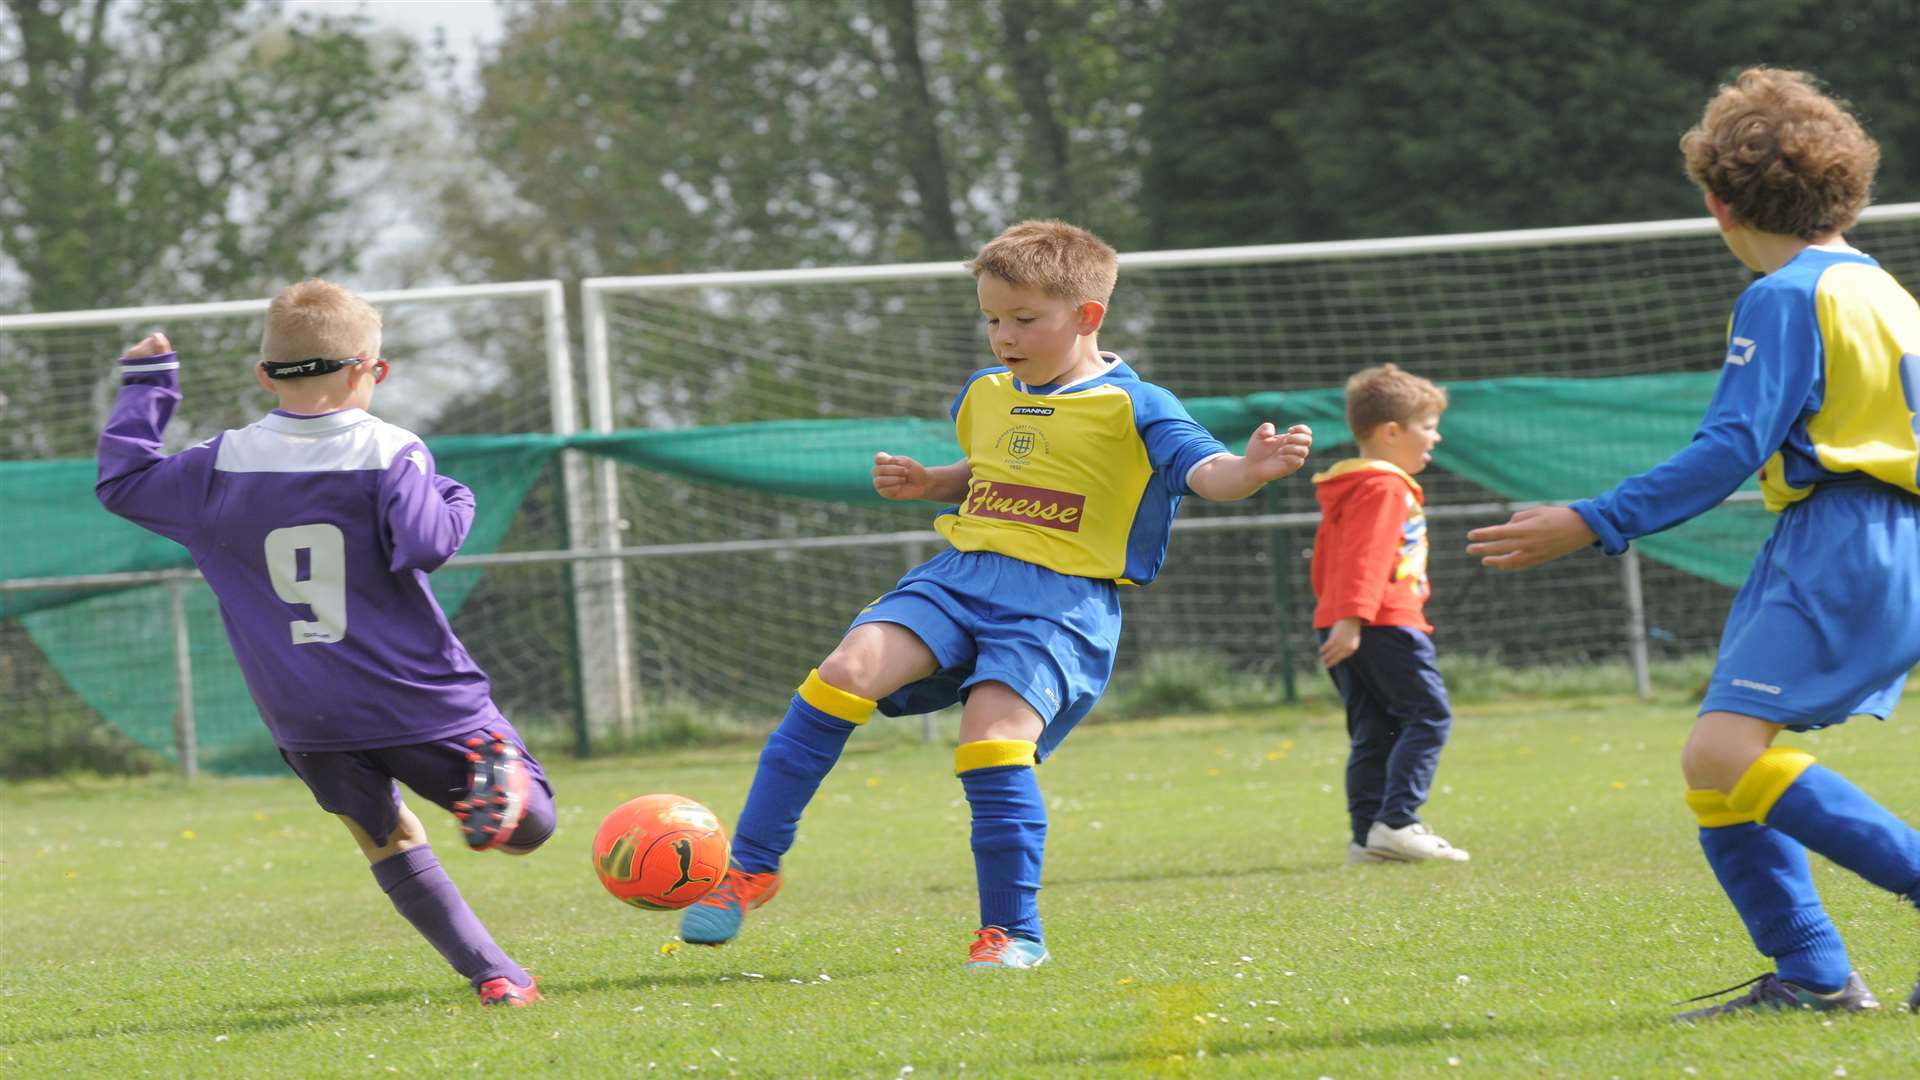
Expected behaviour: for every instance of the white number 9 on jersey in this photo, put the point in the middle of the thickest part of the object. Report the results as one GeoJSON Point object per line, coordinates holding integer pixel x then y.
{"type": "Point", "coordinates": [308, 565]}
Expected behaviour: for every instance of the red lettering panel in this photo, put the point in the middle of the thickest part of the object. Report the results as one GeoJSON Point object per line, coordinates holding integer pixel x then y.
{"type": "Point", "coordinates": [1016, 502]}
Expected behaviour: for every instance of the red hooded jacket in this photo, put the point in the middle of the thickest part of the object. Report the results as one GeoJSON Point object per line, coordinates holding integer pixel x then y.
{"type": "Point", "coordinates": [1370, 552]}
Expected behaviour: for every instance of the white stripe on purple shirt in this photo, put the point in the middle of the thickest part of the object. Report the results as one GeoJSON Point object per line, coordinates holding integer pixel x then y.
{"type": "Point", "coordinates": [316, 533]}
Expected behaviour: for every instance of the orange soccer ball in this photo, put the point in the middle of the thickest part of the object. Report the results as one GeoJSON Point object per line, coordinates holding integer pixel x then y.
{"type": "Point", "coordinates": [660, 852]}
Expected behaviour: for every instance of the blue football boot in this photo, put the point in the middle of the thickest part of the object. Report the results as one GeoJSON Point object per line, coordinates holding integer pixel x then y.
{"type": "Point", "coordinates": [995, 948]}
{"type": "Point", "coordinates": [716, 919]}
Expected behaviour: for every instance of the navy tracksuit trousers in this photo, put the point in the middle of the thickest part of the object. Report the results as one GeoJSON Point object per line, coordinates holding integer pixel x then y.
{"type": "Point", "coordinates": [1397, 721]}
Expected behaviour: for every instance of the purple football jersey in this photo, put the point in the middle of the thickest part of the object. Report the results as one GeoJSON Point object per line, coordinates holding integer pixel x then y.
{"type": "Point", "coordinates": [316, 533]}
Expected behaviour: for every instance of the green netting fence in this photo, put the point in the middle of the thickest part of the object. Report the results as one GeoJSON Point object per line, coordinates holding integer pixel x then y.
{"type": "Point", "coordinates": [1525, 438]}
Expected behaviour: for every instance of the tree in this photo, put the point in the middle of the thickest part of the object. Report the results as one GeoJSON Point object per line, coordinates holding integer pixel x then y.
{"type": "Point", "coordinates": [919, 136]}
{"type": "Point", "coordinates": [1381, 118]}
{"type": "Point", "coordinates": [667, 135]}
{"type": "Point", "coordinates": [155, 152]}
{"type": "Point", "coordinates": [673, 135]}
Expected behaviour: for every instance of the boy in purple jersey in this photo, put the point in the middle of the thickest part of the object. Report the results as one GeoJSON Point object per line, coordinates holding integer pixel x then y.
{"type": "Point", "coordinates": [316, 527]}
{"type": "Point", "coordinates": [1819, 392]}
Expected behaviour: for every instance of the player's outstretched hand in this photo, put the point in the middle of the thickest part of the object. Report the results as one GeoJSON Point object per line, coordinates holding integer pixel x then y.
{"type": "Point", "coordinates": [1533, 536]}
{"type": "Point", "coordinates": [1272, 455]}
{"type": "Point", "coordinates": [152, 345]}
{"type": "Point", "coordinates": [896, 477]}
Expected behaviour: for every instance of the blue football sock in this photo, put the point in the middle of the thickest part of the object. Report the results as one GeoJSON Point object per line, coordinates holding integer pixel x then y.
{"type": "Point", "coordinates": [799, 754]}
{"type": "Point", "coordinates": [1828, 814]}
{"type": "Point", "coordinates": [1009, 834]}
{"type": "Point", "coordinates": [1766, 876]}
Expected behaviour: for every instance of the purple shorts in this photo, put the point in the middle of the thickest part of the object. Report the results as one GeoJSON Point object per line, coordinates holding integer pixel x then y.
{"type": "Point", "coordinates": [359, 784]}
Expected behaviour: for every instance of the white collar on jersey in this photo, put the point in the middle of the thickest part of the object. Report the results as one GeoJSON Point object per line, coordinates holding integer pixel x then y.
{"type": "Point", "coordinates": [1112, 359]}
{"type": "Point", "coordinates": [1838, 246]}
{"type": "Point", "coordinates": [298, 424]}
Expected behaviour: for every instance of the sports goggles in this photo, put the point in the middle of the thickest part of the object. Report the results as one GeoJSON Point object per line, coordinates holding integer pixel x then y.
{"type": "Point", "coordinates": [300, 369]}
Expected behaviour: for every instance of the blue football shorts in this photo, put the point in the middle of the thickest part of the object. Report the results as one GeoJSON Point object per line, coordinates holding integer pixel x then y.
{"type": "Point", "coordinates": [1828, 624]}
{"type": "Point", "coordinates": [987, 617]}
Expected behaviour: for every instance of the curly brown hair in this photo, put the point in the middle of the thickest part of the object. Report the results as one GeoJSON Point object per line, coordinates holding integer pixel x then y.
{"type": "Point", "coordinates": [1783, 155]}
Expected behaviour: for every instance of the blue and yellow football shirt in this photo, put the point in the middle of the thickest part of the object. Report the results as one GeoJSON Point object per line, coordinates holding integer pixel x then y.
{"type": "Point", "coordinates": [1082, 478]}
{"type": "Point", "coordinates": [1821, 382]}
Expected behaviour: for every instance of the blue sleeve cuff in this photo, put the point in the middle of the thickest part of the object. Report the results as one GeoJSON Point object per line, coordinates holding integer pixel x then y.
{"type": "Point", "coordinates": [1611, 541]}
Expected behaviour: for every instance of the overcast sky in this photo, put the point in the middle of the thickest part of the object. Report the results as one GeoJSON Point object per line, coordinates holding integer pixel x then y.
{"type": "Point", "coordinates": [470, 27]}
{"type": "Point", "coordinates": [469, 24]}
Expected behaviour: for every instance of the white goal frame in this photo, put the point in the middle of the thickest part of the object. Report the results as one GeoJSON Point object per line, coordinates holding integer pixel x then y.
{"type": "Point", "coordinates": [596, 291]}
{"type": "Point", "coordinates": [600, 608]}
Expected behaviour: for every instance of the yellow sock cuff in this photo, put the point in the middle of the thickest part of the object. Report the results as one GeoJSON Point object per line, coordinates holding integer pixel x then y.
{"type": "Point", "coordinates": [989, 753]}
{"type": "Point", "coordinates": [1768, 778]}
{"type": "Point", "coordinates": [834, 701]}
{"type": "Point", "coordinates": [1711, 808]}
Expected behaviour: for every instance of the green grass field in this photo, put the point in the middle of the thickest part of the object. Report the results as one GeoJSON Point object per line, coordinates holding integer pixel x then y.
{"type": "Point", "coordinates": [1200, 918]}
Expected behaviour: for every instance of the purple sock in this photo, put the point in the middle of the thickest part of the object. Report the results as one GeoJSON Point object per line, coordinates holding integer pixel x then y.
{"type": "Point", "coordinates": [422, 892]}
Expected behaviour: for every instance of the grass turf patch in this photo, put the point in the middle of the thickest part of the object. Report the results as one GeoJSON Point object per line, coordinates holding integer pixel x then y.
{"type": "Point", "coordinates": [1199, 913]}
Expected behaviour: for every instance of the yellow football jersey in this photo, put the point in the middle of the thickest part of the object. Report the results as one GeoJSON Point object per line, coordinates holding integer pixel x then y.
{"type": "Point", "coordinates": [1864, 411]}
{"type": "Point", "coordinates": [1820, 384]}
{"type": "Point", "coordinates": [1083, 478]}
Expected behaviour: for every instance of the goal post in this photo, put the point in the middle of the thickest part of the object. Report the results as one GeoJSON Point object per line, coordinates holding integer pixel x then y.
{"type": "Point", "coordinates": [100, 616]}
{"type": "Point", "coordinates": [1575, 356]}
{"type": "Point", "coordinates": [683, 548]}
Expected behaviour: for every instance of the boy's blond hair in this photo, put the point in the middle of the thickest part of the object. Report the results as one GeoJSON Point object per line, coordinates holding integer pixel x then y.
{"type": "Point", "coordinates": [1785, 157]}
{"type": "Point", "coordinates": [1061, 260]}
{"type": "Point", "coordinates": [1379, 395]}
{"type": "Point", "coordinates": [319, 319]}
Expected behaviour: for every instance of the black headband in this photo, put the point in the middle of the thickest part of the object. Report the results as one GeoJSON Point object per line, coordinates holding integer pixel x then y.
{"type": "Point", "coordinates": [299, 369]}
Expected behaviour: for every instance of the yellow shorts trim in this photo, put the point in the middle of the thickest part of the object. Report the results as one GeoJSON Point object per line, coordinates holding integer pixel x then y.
{"type": "Point", "coordinates": [989, 753]}
{"type": "Point", "coordinates": [1711, 808]}
{"type": "Point", "coordinates": [834, 701]}
{"type": "Point", "coordinates": [1768, 778]}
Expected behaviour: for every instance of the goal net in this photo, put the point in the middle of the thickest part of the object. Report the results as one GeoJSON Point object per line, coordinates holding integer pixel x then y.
{"type": "Point", "coordinates": [119, 628]}
{"type": "Point", "coordinates": [1574, 357]}
{"type": "Point", "coordinates": [691, 557]}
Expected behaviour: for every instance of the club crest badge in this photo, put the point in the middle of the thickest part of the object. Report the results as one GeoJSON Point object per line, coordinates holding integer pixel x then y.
{"type": "Point", "coordinates": [1020, 444]}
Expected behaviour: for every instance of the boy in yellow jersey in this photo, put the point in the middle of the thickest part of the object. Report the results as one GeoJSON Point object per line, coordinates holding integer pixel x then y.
{"type": "Point", "coordinates": [1073, 469]}
{"type": "Point", "coordinates": [1819, 392]}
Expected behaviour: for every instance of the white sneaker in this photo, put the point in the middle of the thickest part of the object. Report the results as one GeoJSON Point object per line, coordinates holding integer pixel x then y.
{"type": "Point", "coordinates": [1415, 843]}
{"type": "Point", "coordinates": [1360, 856]}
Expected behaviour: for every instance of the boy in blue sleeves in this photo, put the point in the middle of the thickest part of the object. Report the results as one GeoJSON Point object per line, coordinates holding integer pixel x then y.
{"type": "Point", "coordinates": [1818, 392]}
{"type": "Point", "coordinates": [1073, 469]}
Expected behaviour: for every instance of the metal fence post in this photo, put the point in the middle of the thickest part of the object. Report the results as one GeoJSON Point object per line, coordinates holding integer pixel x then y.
{"type": "Point", "coordinates": [185, 743]}
{"type": "Point", "coordinates": [1280, 552]}
{"type": "Point", "coordinates": [593, 490]}
{"type": "Point", "coordinates": [1636, 624]}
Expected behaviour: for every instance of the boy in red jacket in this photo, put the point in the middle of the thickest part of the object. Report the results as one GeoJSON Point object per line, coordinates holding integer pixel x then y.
{"type": "Point", "coordinates": [1370, 581]}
